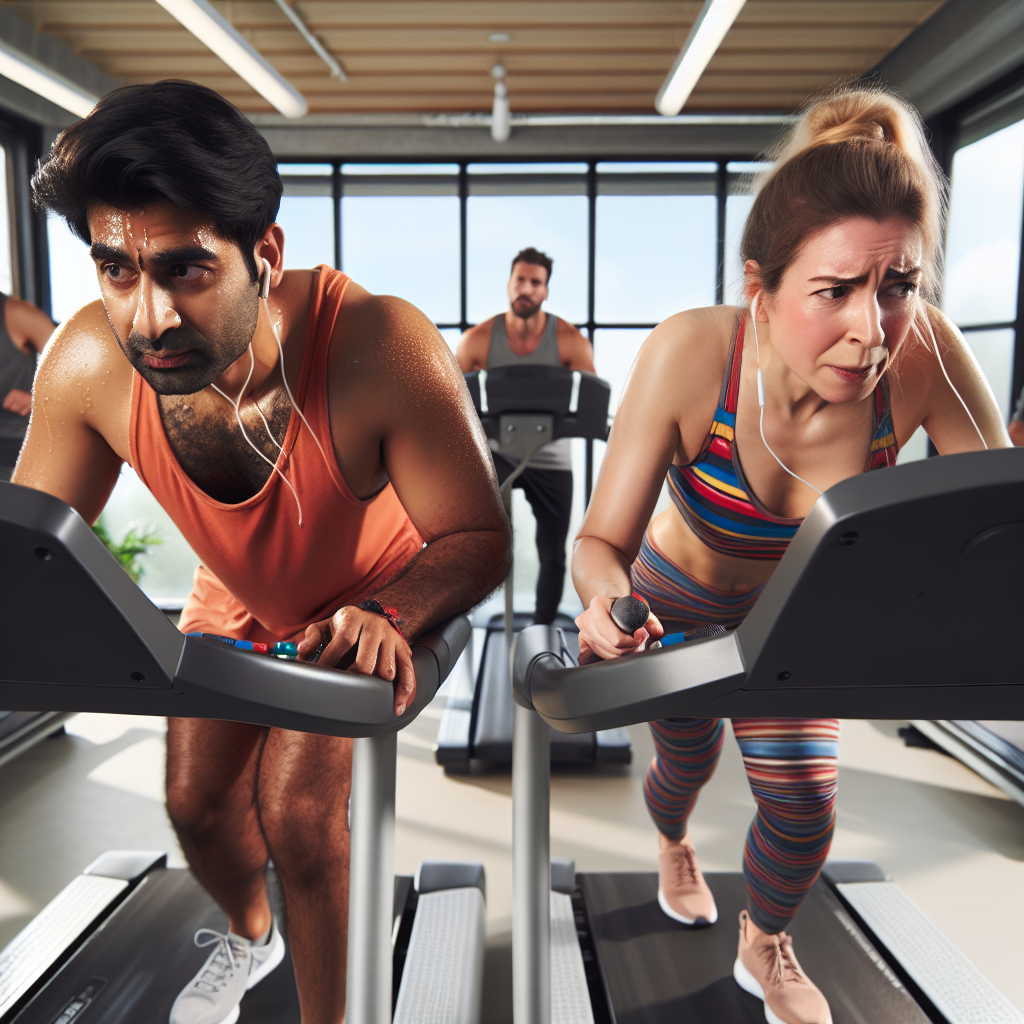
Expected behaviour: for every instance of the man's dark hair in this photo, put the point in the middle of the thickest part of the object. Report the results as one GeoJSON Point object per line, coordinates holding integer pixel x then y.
{"type": "Point", "coordinates": [536, 257]}
{"type": "Point", "coordinates": [172, 141]}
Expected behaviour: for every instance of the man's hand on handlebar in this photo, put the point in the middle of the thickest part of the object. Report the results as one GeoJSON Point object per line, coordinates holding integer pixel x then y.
{"type": "Point", "coordinates": [601, 638]}
{"type": "Point", "coordinates": [362, 641]}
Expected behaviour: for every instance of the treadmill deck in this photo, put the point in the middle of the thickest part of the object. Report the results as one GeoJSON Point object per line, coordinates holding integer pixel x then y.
{"type": "Point", "coordinates": [657, 971]}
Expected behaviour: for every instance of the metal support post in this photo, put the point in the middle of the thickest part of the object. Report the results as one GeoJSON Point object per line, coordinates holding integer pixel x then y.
{"type": "Point", "coordinates": [531, 868]}
{"type": "Point", "coordinates": [371, 880]}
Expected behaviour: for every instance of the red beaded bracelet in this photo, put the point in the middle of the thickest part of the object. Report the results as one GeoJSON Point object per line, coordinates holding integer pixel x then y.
{"type": "Point", "coordinates": [391, 614]}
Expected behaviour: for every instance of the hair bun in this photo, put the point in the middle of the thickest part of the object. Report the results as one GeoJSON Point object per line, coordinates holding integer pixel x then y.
{"type": "Point", "coordinates": [873, 117]}
{"type": "Point", "coordinates": [855, 113]}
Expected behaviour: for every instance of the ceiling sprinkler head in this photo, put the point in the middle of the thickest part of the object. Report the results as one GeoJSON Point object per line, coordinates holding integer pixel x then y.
{"type": "Point", "coordinates": [498, 72]}
{"type": "Point", "coordinates": [499, 37]}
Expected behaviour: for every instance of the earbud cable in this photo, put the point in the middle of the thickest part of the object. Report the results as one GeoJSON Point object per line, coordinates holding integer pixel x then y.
{"type": "Point", "coordinates": [235, 403]}
{"type": "Point", "coordinates": [942, 366]}
{"type": "Point", "coordinates": [760, 402]}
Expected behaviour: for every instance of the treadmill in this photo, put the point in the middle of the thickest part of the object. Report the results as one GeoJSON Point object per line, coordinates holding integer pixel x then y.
{"type": "Point", "coordinates": [936, 538]}
{"type": "Point", "coordinates": [995, 750]}
{"type": "Point", "coordinates": [116, 944]}
{"type": "Point", "coordinates": [20, 730]}
{"type": "Point", "coordinates": [522, 408]}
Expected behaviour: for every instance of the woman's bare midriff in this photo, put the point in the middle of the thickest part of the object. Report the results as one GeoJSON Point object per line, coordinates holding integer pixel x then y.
{"type": "Point", "coordinates": [677, 542]}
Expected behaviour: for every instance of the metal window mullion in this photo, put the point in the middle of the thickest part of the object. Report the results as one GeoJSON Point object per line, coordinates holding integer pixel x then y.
{"type": "Point", "coordinates": [588, 480]}
{"type": "Point", "coordinates": [721, 195]}
{"type": "Point", "coordinates": [463, 234]}
{"type": "Point", "coordinates": [1018, 340]}
{"type": "Point", "coordinates": [337, 186]}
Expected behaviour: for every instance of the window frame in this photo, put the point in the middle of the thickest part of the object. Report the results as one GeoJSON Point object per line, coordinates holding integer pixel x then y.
{"type": "Point", "coordinates": [719, 182]}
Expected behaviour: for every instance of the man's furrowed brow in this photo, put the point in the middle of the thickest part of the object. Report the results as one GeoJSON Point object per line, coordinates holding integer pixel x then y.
{"type": "Point", "coordinates": [102, 251]}
{"type": "Point", "coordinates": [183, 254]}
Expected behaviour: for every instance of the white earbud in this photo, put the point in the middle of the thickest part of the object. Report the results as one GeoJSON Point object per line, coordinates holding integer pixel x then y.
{"type": "Point", "coordinates": [265, 280]}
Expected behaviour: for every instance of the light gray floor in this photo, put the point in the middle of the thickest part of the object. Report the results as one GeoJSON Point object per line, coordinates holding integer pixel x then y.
{"type": "Point", "coordinates": [954, 842]}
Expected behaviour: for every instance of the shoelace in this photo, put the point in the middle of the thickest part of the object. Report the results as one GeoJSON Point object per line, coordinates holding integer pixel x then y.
{"type": "Point", "coordinates": [778, 958]}
{"type": "Point", "coordinates": [223, 963]}
{"type": "Point", "coordinates": [684, 864]}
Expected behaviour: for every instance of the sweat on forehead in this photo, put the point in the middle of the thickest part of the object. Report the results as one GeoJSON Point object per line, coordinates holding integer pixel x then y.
{"type": "Point", "coordinates": [160, 234]}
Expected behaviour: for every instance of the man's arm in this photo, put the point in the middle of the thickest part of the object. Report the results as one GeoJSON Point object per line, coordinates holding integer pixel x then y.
{"type": "Point", "coordinates": [29, 327]}
{"type": "Point", "coordinates": [416, 408]}
{"type": "Point", "coordinates": [575, 351]}
{"type": "Point", "coordinates": [474, 346]}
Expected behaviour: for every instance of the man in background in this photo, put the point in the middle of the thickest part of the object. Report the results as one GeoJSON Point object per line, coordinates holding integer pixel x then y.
{"type": "Point", "coordinates": [525, 334]}
{"type": "Point", "coordinates": [24, 332]}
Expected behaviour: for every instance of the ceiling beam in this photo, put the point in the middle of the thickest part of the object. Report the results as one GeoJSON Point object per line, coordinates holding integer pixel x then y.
{"type": "Point", "coordinates": [56, 55]}
{"type": "Point", "coordinates": [960, 49]}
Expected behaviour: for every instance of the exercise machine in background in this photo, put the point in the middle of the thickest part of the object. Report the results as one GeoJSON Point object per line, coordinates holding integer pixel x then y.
{"type": "Point", "coordinates": [118, 939]}
{"type": "Point", "coordinates": [522, 408]}
{"type": "Point", "coordinates": [936, 539]}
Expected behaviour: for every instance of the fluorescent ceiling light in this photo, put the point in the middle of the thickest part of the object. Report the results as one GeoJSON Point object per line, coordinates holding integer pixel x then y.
{"type": "Point", "coordinates": [715, 19]}
{"type": "Point", "coordinates": [239, 55]}
{"type": "Point", "coordinates": [337, 71]}
{"type": "Point", "coordinates": [21, 68]}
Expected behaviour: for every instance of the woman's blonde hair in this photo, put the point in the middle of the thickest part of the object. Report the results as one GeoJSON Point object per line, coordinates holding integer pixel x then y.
{"type": "Point", "coordinates": [858, 152]}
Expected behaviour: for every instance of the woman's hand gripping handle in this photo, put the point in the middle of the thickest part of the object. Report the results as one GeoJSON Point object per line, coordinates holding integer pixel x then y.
{"type": "Point", "coordinates": [610, 628]}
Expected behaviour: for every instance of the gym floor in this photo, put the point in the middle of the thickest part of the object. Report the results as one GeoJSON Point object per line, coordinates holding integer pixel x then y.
{"type": "Point", "coordinates": [954, 842]}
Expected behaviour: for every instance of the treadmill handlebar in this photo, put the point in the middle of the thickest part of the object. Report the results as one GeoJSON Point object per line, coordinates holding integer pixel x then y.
{"type": "Point", "coordinates": [579, 410]}
{"type": "Point", "coordinates": [640, 687]}
{"type": "Point", "coordinates": [356, 705]}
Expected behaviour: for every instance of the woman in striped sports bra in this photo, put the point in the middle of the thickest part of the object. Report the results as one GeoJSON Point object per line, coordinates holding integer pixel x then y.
{"type": "Point", "coordinates": [751, 413]}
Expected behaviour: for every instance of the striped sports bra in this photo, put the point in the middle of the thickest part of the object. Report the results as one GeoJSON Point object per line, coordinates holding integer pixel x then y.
{"type": "Point", "coordinates": [712, 494]}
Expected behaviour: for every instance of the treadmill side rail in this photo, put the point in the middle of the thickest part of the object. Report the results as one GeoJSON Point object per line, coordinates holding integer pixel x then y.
{"type": "Point", "coordinates": [957, 989]}
{"type": "Point", "coordinates": [442, 982]}
{"type": "Point", "coordinates": [570, 997]}
{"type": "Point", "coordinates": [46, 940]}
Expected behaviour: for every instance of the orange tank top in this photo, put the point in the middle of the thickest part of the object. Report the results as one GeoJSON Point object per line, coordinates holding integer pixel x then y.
{"type": "Point", "coordinates": [263, 576]}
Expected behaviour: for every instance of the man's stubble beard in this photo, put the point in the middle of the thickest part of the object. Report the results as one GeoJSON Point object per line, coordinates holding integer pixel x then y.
{"type": "Point", "coordinates": [533, 308]}
{"type": "Point", "coordinates": [209, 360]}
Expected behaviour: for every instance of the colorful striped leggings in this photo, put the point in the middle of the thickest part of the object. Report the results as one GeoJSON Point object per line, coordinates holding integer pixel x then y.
{"type": "Point", "coordinates": [791, 763]}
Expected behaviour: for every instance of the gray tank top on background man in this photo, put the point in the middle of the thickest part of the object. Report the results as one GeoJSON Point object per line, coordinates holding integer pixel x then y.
{"type": "Point", "coordinates": [17, 370]}
{"type": "Point", "coordinates": [558, 454]}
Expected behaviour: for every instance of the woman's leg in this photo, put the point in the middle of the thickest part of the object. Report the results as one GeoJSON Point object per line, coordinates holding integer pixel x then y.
{"type": "Point", "coordinates": [791, 765]}
{"type": "Point", "coordinates": [792, 768]}
{"type": "Point", "coordinates": [686, 752]}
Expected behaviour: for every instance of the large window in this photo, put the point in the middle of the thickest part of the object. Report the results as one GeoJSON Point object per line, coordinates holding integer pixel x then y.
{"type": "Point", "coordinates": [400, 234]}
{"type": "Point", "coordinates": [983, 247]}
{"type": "Point", "coordinates": [6, 226]}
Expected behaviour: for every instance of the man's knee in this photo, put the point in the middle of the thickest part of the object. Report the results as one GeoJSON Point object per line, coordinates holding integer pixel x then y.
{"type": "Point", "coordinates": [303, 800]}
{"type": "Point", "coordinates": [210, 775]}
{"type": "Point", "coordinates": [196, 811]}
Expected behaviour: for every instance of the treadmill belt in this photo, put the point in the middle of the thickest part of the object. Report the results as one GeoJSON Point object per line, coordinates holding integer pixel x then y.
{"type": "Point", "coordinates": [656, 971]}
{"type": "Point", "coordinates": [131, 970]}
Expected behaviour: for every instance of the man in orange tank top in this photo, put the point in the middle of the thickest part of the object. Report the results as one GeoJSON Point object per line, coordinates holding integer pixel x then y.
{"type": "Point", "coordinates": [371, 499]}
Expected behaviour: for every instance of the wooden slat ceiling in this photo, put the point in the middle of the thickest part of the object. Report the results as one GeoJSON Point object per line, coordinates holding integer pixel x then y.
{"type": "Point", "coordinates": [562, 55]}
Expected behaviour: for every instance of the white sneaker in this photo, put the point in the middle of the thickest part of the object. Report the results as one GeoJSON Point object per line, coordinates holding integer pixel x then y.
{"type": "Point", "coordinates": [234, 967]}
